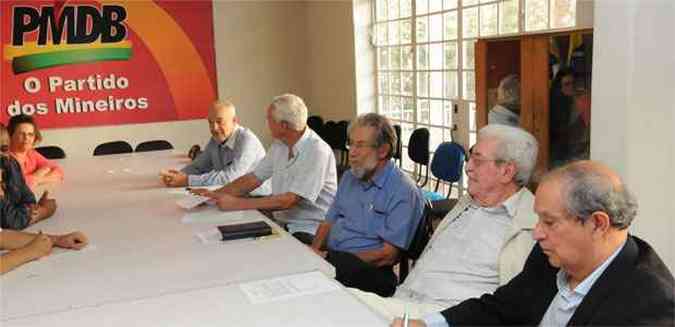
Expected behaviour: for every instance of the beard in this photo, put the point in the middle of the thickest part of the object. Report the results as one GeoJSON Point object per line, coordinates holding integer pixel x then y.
{"type": "Point", "coordinates": [366, 170]}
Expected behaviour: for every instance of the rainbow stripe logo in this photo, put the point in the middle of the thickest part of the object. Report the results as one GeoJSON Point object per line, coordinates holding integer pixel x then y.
{"type": "Point", "coordinates": [31, 56]}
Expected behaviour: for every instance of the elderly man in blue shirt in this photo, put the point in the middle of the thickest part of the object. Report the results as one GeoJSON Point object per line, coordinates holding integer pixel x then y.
{"type": "Point", "coordinates": [376, 211]}
{"type": "Point", "coordinates": [232, 152]}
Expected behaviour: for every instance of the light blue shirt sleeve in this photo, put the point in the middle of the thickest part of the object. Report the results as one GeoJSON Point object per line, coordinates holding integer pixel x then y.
{"type": "Point", "coordinates": [435, 319]}
{"type": "Point", "coordinates": [202, 163]}
{"type": "Point", "coordinates": [244, 157]}
{"type": "Point", "coordinates": [264, 170]}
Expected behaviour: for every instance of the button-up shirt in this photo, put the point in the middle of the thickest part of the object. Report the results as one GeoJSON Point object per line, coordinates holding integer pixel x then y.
{"type": "Point", "coordinates": [308, 171]}
{"type": "Point", "coordinates": [366, 214]}
{"type": "Point", "coordinates": [221, 163]}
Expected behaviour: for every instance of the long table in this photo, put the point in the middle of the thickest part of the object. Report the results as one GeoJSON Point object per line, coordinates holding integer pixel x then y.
{"type": "Point", "coordinates": [141, 251]}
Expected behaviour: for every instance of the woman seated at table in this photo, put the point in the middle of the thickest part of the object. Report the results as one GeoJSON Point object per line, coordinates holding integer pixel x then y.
{"type": "Point", "coordinates": [25, 247]}
{"type": "Point", "coordinates": [36, 169]}
{"type": "Point", "coordinates": [18, 208]}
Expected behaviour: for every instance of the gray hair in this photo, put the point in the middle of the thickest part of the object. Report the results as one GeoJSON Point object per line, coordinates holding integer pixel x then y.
{"type": "Point", "coordinates": [291, 109]}
{"type": "Point", "coordinates": [225, 104]}
{"type": "Point", "coordinates": [515, 145]}
{"type": "Point", "coordinates": [586, 190]}
{"type": "Point", "coordinates": [508, 92]}
{"type": "Point", "coordinates": [385, 133]}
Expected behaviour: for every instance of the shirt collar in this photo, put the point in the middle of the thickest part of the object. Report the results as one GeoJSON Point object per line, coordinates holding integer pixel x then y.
{"type": "Point", "coordinates": [585, 286]}
{"type": "Point", "coordinates": [381, 176]}
{"type": "Point", "coordinates": [509, 205]}
{"type": "Point", "coordinates": [232, 140]}
{"type": "Point", "coordinates": [301, 143]}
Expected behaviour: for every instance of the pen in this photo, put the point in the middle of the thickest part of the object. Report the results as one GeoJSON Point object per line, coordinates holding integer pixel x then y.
{"type": "Point", "coordinates": [405, 319]}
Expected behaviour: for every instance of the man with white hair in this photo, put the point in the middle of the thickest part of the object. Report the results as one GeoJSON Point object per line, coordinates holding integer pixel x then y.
{"type": "Point", "coordinates": [484, 240]}
{"type": "Point", "coordinates": [232, 152]}
{"type": "Point", "coordinates": [302, 169]}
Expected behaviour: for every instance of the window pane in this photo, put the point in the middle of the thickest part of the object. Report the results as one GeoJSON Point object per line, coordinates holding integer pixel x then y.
{"type": "Point", "coordinates": [470, 22]}
{"type": "Point", "coordinates": [408, 110]}
{"type": "Point", "coordinates": [436, 56]}
{"type": "Point", "coordinates": [406, 8]}
{"type": "Point", "coordinates": [383, 104]}
{"type": "Point", "coordinates": [450, 85]}
{"type": "Point", "coordinates": [395, 83]}
{"type": "Point", "coordinates": [449, 4]}
{"type": "Point", "coordinates": [393, 9]}
{"type": "Point", "coordinates": [406, 31]}
{"type": "Point", "coordinates": [395, 107]}
{"type": "Point", "coordinates": [421, 7]}
{"type": "Point", "coordinates": [384, 83]}
{"type": "Point", "coordinates": [393, 33]}
{"type": "Point", "coordinates": [435, 27]}
{"type": "Point", "coordinates": [407, 58]}
{"type": "Point", "coordinates": [488, 20]}
{"type": "Point", "coordinates": [466, 3]}
{"type": "Point", "coordinates": [436, 113]}
{"type": "Point", "coordinates": [423, 57]}
{"type": "Point", "coordinates": [422, 32]}
{"type": "Point", "coordinates": [536, 14]}
{"type": "Point", "coordinates": [381, 10]}
{"type": "Point", "coordinates": [508, 16]}
{"type": "Point", "coordinates": [450, 25]}
{"type": "Point", "coordinates": [395, 62]}
{"type": "Point", "coordinates": [423, 84]}
{"type": "Point", "coordinates": [436, 84]}
{"type": "Point", "coordinates": [563, 13]}
{"type": "Point", "coordinates": [450, 55]}
{"type": "Point", "coordinates": [435, 5]}
{"type": "Point", "coordinates": [468, 54]}
{"type": "Point", "coordinates": [383, 58]}
{"type": "Point", "coordinates": [407, 81]}
{"type": "Point", "coordinates": [435, 138]}
{"type": "Point", "coordinates": [469, 85]}
{"type": "Point", "coordinates": [381, 34]}
{"type": "Point", "coordinates": [423, 111]}
{"type": "Point", "coordinates": [406, 130]}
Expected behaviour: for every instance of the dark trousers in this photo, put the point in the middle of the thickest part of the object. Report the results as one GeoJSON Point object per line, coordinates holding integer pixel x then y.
{"type": "Point", "coordinates": [354, 272]}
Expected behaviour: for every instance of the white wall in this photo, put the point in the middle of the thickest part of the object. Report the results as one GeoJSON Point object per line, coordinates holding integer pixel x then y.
{"type": "Point", "coordinates": [633, 129]}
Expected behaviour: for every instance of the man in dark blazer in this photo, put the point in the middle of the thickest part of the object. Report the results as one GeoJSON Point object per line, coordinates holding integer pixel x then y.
{"type": "Point", "coordinates": [586, 270]}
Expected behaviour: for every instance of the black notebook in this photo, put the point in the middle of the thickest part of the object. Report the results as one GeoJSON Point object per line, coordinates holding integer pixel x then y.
{"type": "Point", "coordinates": [246, 230]}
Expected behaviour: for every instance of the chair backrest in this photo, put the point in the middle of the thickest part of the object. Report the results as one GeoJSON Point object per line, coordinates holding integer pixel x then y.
{"type": "Point", "coordinates": [115, 147]}
{"type": "Point", "coordinates": [418, 146]}
{"type": "Point", "coordinates": [155, 145]}
{"type": "Point", "coordinates": [315, 123]}
{"type": "Point", "coordinates": [448, 162]}
{"type": "Point", "coordinates": [341, 135]}
{"type": "Point", "coordinates": [419, 242]}
{"type": "Point", "coordinates": [51, 152]}
{"type": "Point", "coordinates": [328, 133]}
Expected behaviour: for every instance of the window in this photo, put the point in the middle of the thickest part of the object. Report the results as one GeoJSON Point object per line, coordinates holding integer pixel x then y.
{"type": "Point", "coordinates": [425, 58]}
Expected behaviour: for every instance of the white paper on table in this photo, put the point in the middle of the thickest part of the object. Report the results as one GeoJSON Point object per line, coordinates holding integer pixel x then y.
{"type": "Point", "coordinates": [213, 215]}
{"type": "Point", "coordinates": [286, 287]}
{"type": "Point", "coordinates": [209, 236]}
{"type": "Point", "coordinates": [184, 191]}
{"type": "Point", "coordinates": [191, 201]}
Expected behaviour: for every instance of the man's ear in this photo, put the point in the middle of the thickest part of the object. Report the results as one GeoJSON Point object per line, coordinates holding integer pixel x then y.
{"type": "Point", "coordinates": [510, 171]}
{"type": "Point", "coordinates": [382, 151]}
{"type": "Point", "coordinates": [601, 222]}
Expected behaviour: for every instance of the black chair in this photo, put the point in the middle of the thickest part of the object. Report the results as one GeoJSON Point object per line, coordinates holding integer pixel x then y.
{"type": "Point", "coordinates": [447, 166]}
{"type": "Point", "coordinates": [315, 123]}
{"type": "Point", "coordinates": [419, 242]}
{"type": "Point", "coordinates": [51, 152]}
{"type": "Point", "coordinates": [341, 142]}
{"type": "Point", "coordinates": [418, 152]}
{"type": "Point", "coordinates": [115, 147]}
{"type": "Point", "coordinates": [399, 146]}
{"type": "Point", "coordinates": [155, 145]}
{"type": "Point", "coordinates": [328, 133]}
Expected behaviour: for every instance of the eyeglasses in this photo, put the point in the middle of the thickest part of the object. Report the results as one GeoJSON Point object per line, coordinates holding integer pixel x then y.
{"type": "Point", "coordinates": [359, 145]}
{"type": "Point", "coordinates": [478, 160]}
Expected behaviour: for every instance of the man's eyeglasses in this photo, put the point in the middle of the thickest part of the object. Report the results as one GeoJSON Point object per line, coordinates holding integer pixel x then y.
{"type": "Point", "coordinates": [359, 145]}
{"type": "Point", "coordinates": [478, 160]}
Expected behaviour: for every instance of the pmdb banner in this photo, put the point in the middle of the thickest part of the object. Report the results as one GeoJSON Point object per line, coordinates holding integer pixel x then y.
{"type": "Point", "coordinates": [87, 63]}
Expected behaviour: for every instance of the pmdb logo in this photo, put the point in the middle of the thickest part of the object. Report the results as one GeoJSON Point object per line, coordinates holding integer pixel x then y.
{"type": "Point", "coordinates": [90, 35]}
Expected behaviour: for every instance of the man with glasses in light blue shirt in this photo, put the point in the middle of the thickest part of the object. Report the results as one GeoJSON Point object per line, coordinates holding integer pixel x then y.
{"type": "Point", "coordinates": [232, 152]}
{"type": "Point", "coordinates": [586, 268]}
{"type": "Point", "coordinates": [375, 214]}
